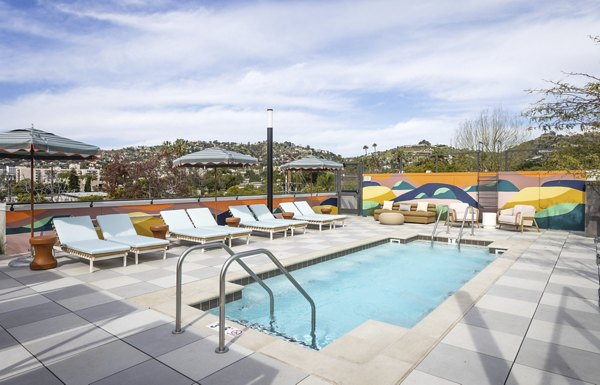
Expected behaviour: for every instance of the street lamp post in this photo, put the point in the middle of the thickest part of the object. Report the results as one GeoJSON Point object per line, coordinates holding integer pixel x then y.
{"type": "Point", "coordinates": [270, 159]}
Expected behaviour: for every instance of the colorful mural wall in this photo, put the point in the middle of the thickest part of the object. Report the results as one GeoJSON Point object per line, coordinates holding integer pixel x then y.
{"type": "Point", "coordinates": [559, 197]}
{"type": "Point", "coordinates": [142, 215]}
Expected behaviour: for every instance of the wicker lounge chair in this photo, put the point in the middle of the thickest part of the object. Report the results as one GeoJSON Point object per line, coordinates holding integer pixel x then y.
{"type": "Point", "coordinates": [78, 237]}
{"type": "Point", "coordinates": [262, 213]}
{"type": "Point", "coordinates": [181, 227]}
{"type": "Point", "coordinates": [202, 218]}
{"type": "Point", "coordinates": [519, 216]}
{"type": "Point", "coordinates": [118, 228]}
{"type": "Point", "coordinates": [248, 220]}
{"type": "Point", "coordinates": [313, 219]}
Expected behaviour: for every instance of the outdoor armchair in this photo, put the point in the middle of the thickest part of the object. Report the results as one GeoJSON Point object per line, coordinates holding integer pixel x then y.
{"type": "Point", "coordinates": [456, 214]}
{"type": "Point", "coordinates": [518, 216]}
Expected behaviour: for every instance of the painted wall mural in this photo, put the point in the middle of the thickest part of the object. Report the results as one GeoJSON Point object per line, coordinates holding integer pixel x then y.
{"type": "Point", "coordinates": [142, 215]}
{"type": "Point", "coordinates": [559, 197]}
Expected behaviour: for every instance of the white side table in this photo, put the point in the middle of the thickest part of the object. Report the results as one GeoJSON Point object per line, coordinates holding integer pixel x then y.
{"type": "Point", "coordinates": [488, 220]}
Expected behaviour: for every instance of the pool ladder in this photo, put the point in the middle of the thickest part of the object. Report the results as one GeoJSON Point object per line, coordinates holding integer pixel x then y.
{"type": "Point", "coordinates": [462, 225]}
{"type": "Point", "coordinates": [237, 257]}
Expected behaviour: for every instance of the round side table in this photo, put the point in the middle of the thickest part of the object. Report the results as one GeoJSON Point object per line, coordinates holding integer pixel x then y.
{"type": "Point", "coordinates": [232, 221]}
{"type": "Point", "coordinates": [159, 231]}
{"type": "Point", "coordinates": [287, 215]}
{"type": "Point", "coordinates": [42, 255]}
{"type": "Point", "coordinates": [325, 210]}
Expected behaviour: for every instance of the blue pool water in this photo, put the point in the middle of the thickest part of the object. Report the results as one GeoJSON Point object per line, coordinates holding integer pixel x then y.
{"type": "Point", "coordinates": [394, 283]}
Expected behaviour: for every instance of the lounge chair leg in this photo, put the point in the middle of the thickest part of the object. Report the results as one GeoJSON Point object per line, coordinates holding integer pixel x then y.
{"type": "Point", "coordinates": [137, 254]}
{"type": "Point", "coordinates": [91, 265]}
{"type": "Point", "coordinates": [229, 241]}
{"type": "Point", "coordinates": [165, 253]}
{"type": "Point", "coordinates": [248, 239]}
{"type": "Point", "coordinates": [125, 260]}
{"type": "Point", "coordinates": [292, 231]}
{"type": "Point", "coordinates": [271, 234]}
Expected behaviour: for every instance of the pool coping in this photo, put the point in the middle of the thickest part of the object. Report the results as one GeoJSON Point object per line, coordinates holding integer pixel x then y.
{"type": "Point", "coordinates": [373, 352]}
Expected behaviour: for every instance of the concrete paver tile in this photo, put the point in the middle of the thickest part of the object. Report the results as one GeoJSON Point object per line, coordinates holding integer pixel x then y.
{"type": "Point", "coordinates": [485, 341]}
{"type": "Point", "coordinates": [559, 359]}
{"type": "Point", "coordinates": [161, 340]}
{"type": "Point", "coordinates": [148, 372]}
{"type": "Point", "coordinates": [417, 377]}
{"type": "Point", "coordinates": [36, 376]}
{"type": "Point", "coordinates": [562, 334]}
{"type": "Point", "coordinates": [97, 363]}
{"type": "Point", "coordinates": [525, 375]}
{"type": "Point", "coordinates": [496, 320]}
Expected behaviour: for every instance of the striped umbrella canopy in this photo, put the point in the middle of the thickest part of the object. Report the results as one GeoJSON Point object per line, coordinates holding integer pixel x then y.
{"type": "Point", "coordinates": [311, 163]}
{"type": "Point", "coordinates": [30, 143]}
{"type": "Point", "coordinates": [22, 143]}
{"type": "Point", "coordinates": [215, 157]}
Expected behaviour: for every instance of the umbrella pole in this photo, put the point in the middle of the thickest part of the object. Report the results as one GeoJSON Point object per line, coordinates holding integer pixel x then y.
{"type": "Point", "coordinates": [216, 190]}
{"type": "Point", "coordinates": [32, 194]}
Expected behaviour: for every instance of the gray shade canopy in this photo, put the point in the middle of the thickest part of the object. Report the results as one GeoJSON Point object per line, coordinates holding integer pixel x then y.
{"type": "Point", "coordinates": [19, 143]}
{"type": "Point", "coordinates": [311, 163]}
{"type": "Point", "coordinates": [215, 157]}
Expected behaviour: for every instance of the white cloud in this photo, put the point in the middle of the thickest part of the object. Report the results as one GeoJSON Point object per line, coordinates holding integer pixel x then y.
{"type": "Point", "coordinates": [122, 73]}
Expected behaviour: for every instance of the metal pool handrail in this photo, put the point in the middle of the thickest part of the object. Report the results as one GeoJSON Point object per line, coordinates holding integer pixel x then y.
{"type": "Point", "coordinates": [236, 257]}
{"type": "Point", "coordinates": [462, 225]}
{"type": "Point", "coordinates": [438, 221]}
{"type": "Point", "coordinates": [215, 245]}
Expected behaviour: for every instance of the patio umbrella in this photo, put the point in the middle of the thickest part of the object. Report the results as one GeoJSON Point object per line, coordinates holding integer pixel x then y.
{"type": "Point", "coordinates": [34, 144]}
{"type": "Point", "coordinates": [311, 163]}
{"type": "Point", "coordinates": [215, 157]}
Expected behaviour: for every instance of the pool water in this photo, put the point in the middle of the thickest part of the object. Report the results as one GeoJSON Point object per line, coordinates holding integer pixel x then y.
{"type": "Point", "coordinates": [394, 283]}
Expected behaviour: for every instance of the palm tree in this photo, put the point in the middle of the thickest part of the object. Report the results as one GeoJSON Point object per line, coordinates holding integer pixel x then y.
{"type": "Point", "coordinates": [365, 147]}
{"type": "Point", "coordinates": [374, 147]}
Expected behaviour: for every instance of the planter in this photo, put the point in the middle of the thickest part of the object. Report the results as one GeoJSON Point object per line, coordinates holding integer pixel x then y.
{"type": "Point", "coordinates": [232, 221]}
{"type": "Point", "coordinates": [159, 231]}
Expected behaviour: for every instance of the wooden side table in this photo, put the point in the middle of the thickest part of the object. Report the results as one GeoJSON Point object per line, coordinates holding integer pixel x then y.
{"type": "Point", "coordinates": [43, 258]}
{"type": "Point", "coordinates": [325, 210]}
{"type": "Point", "coordinates": [287, 215]}
{"type": "Point", "coordinates": [159, 231]}
{"type": "Point", "coordinates": [232, 221]}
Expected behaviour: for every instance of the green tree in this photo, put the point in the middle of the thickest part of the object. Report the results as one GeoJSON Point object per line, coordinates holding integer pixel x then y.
{"type": "Point", "coordinates": [73, 181]}
{"type": "Point", "coordinates": [88, 183]}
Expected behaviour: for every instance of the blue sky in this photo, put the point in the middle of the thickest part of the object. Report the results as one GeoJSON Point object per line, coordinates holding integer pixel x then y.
{"type": "Point", "coordinates": [338, 74]}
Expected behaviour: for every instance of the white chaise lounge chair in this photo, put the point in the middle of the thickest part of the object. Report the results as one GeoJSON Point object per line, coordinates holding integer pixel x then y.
{"type": "Point", "coordinates": [202, 218]}
{"type": "Point", "coordinates": [181, 227]}
{"type": "Point", "coordinates": [290, 207]}
{"type": "Point", "coordinates": [248, 220]}
{"type": "Point", "coordinates": [77, 236]}
{"type": "Point", "coordinates": [118, 228]}
{"type": "Point", "coordinates": [262, 213]}
{"type": "Point", "coordinates": [306, 210]}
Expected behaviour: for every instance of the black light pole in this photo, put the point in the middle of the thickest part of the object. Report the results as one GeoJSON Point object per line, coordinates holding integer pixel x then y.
{"type": "Point", "coordinates": [270, 159]}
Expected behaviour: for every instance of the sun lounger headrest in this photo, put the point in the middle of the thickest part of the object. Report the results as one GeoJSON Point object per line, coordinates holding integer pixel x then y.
{"type": "Point", "coordinates": [116, 225]}
{"type": "Point", "coordinates": [75, 229]}
{"type": "Point", "coordinates": [176, 219]}
{"type": "Point", "coordinates": [202, 217]}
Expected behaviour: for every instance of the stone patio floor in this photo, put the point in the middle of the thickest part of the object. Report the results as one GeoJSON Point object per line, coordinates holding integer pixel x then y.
{"type": "Point", "coordinates": [537, 323]}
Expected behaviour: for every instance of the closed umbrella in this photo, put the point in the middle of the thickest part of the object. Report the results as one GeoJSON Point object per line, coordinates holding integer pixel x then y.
{"type": "Point", "coordinates": [35, 144]}
{"type": "Point", "coordinates": [215, 157]}
{"type": "Point", "coordinates": [312, 163]}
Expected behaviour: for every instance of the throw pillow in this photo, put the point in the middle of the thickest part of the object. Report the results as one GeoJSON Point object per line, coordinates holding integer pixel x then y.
{"type": "Point", "coordinates": [387, 205]}
{"type": "Point", "coordinates": [422, 206]}
{"type": "Point", "coordinates": [404, 207]}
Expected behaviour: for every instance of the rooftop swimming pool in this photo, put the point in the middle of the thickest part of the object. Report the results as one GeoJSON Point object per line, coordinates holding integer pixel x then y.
{"type": "Point", "coordinates": [394, 283]}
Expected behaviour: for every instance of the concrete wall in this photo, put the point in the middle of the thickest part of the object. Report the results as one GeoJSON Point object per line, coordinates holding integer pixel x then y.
{"type": "Point", "coordinates": [592, 209]}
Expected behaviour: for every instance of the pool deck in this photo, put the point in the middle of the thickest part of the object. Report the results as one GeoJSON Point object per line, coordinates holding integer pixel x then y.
{"type": "Point", "coordinates": [531, 317]}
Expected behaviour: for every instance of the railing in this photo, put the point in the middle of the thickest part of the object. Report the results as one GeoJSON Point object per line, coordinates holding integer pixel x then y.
{"type": "Point", "coordinates": [462, 225]}
{"type": "Point", "coordinates": [437, 221]}
{"type": "Point", "coordinates": [237, 257]}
